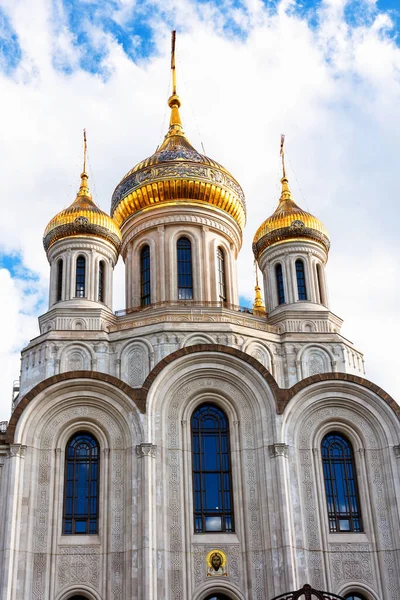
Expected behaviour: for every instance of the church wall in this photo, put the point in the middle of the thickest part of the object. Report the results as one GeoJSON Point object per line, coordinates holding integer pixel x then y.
{"type": "Point", "coordinates": [340, 562]}
{"type": "Point", "coordinates": [41, 563]}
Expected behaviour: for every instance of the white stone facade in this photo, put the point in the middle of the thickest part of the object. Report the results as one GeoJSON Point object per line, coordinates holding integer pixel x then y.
{"type": "Point", "coordinates": [134, 379]}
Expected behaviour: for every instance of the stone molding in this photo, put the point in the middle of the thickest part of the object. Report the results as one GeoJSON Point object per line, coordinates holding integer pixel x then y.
{"type": "Point", "coordinates": [278, 449]}
{"type": "Point", "coordinates": [396, 450]}
{"type": "Point", "coordinates": [146, 449]}
{"type": "Point", "coordinates": [139, 396]}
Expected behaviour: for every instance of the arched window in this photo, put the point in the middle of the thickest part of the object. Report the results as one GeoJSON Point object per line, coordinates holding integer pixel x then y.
{"type": "Point", "coordinates": [279, 284]}
{"type": "Point", "coordinates": [81, 485]}
{"type": "Point", "coordinates": [80, 277]}
{"type": "Point", "coordinates": [221, 275]}
{"type": "Point", "coordinates": [340, 484]}
{"type": "Point", "coordinates": [145, 292]}
{"type": "Point", "coordinates": [320, 285]}
{"type": "Point", "coordinates": [185, 279]}
{"type": "Point", "coordinates": [60, 266]}
{"type": "Point", "coordinates": [355, 596]}
{"type": "Point", "coordinates": [212, 481]}
{"type": "Point", "coordinates": [78, 598]}
{"type": "Point", "coordinates": [218, 596]}
{"type": "Point", "coordinates": [101, 281]}
{"type": "Point", "coordinates": [301, 281]}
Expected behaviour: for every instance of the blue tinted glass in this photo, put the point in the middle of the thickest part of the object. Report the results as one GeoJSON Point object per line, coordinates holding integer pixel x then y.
{"type": "Point", "coordinates": [340, 484]}
{"type": "Point", "coordinates": [301, 282]}
{"type": "Point", "coordinates": [279, 283]}
{"type": "Point", "coordinates": [80, 277]}
{"type": "Point", "coordinates": [81, 485]}
{"type": "Point", "coordinates": [184, 264]}
{"type": "Point", "coordinates": [145, 294]}
{"type": "Point", "coordinates": [211, 470]}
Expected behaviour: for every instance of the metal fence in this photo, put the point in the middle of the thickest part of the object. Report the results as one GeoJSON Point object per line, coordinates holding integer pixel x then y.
{"type": "Point", "coordinates": [308, 593]}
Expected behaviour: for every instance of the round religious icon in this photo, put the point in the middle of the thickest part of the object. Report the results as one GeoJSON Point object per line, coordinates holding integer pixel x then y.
{"type": "Point", "coordinates": [216, 564]}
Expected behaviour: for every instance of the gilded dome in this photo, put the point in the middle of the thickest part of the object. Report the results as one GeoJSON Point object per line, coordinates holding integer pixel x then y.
{"type": "Point", "coordinates": [289, 222]}
{"type": "Point", "coordinates": [177, 174]}
{"type": "Point", "coordinates": [83, 217]}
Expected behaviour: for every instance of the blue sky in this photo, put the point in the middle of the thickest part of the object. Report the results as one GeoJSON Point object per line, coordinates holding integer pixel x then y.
{"type": "Point", "coordinates": [325, 73]}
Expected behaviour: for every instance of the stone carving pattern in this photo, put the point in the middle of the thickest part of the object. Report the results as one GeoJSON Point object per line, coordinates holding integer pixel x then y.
{"type": "Point", "coordinates": [351, 562]}
{"type": "Point", "coordinates": [380, 500]}
{"type": "Point", "coordinates": [315, 365]}
{"type": "Point", "coordinates": [79, 564]}
{"type": "Point", "coordinates": [175, 485]}
{"type": "Point", "coordinates": [233, 562]}
{"type": "Point", "coordinates": [380, 503]}
{"type": "Point", "coordinates": [136, 366]}
{"type": "Point", "coordinates": [117, 523]}
{"type": "Point", "coordinates": [75, 362]}
{"type": "Point", "coordinates": [42, 517]}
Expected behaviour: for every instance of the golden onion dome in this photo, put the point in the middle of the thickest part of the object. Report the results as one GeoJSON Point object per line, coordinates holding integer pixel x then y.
{"type": "Point", "coordinates": [177, 174]}
{"type": "Point", "coordinates": [83, 217]}
{"type": "Point", "coordinates": [289, 222]}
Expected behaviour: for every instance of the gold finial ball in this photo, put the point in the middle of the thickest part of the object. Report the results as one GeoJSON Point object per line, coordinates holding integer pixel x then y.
{"type": "Point", "coordinates": [174, 101]}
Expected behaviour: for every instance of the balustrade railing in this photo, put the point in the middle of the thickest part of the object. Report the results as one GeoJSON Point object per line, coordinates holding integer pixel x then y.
{"type": "Point", "coordinates": [308, 593]}
{"type": "Point", "coordinates": [181, 304]}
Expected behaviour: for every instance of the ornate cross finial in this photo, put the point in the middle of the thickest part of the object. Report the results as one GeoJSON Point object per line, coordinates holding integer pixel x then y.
{"type": "Point", "coordinates": [282, 153]}
{"type": "Point", "coordinates": [84, 150]}
{"type": "Point", "coordinates": [173, 70]}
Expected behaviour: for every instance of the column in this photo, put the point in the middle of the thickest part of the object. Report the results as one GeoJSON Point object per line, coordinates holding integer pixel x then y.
{"type": "Point", "coordinates": [147, 563]}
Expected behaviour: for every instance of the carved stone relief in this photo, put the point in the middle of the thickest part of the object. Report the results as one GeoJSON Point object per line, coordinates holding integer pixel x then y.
{"type": "Point", "coordinates": [78, 564]}
{"type": "Point", "coordinates": [176, 507]}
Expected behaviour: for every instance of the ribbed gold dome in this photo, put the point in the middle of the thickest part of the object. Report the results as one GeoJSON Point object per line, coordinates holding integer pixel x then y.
{"type": "Point", "coordinates": [177, 174]}
{"type": "Point", "coordinates": [83, 217]}
{"type": "Point", "coordinates": [289, 222]}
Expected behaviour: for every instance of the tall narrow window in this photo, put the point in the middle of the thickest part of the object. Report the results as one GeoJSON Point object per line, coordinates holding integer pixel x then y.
{"type": "Point", "coordinates": [145, 292]}
{"type": "Point", "coordinates": [340, 484]}
{"type": "Point", "coordinates": [101, 281]}
{"type": "Point", "coordinates": [320, 285]}
{"type": "Point", "coordinates": [301, 281]}
{"type": "Point", "coordinates": [185, 279]}
{"type": "Point", "coordinates": [279, 284]}
{"type": "Point", "coordinates": [81, 488]}
{"type": "Point", "coordinates": [80, 277]}
{"type": "Point", "coordinates": [221, 275]}
{"type": "Point", "coordinates": [212, 481]}
{"type": "Point", "coordinates": [60, 266]}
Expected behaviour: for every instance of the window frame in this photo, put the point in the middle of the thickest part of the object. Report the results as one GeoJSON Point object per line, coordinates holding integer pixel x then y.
{"type": "Point", "coordinates": [185, 292]}
{"type": "Point", "coordinates": [301, 280]}
{"type": "Point", "coordinates": [333, 515]}
{"type": "Point", "coordinates": [224, 475]}
{"type": "Point", "coordinates": [101, 288]}
{"type": "Point", "coordinates": [91, 519]}
{"type": "Point", "coordinates": [221, 275]}
{"type": "Point", "coordinates": [145, 284]}
{"type": "Point", "coordinates": [80, 277]}
{"type": "Point", "coordinates": [280, 283]}
{"type": "Point", "coordinates": [60, 279]}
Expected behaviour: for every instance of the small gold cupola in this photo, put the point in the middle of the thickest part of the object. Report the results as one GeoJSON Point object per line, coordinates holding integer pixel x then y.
{"type": "Point", "coordinates": [258, 304]}
{"type": "Point", "coordinates": [177, 174]}
{"type": "Point", "coordinates": [289, 221]}
{"type": "Point", "coordinates": [82, 217]}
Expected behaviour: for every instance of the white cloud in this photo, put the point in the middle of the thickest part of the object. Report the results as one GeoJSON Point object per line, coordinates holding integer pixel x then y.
{"type": "Point", "coordinates": [333, 89]}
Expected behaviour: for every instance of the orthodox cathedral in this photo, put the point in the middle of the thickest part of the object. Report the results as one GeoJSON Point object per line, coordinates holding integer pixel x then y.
{"type": "Point", "coordinates": [186, 448]}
